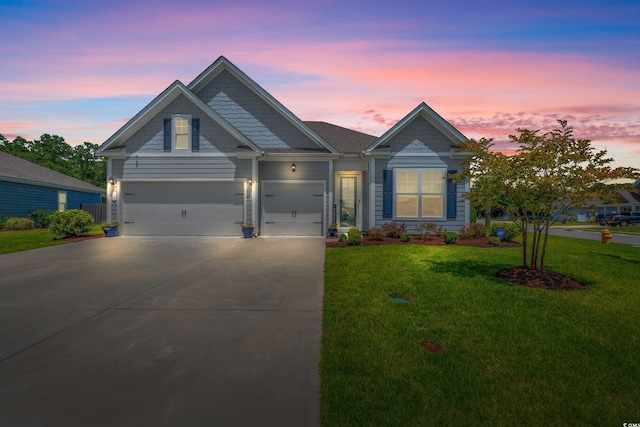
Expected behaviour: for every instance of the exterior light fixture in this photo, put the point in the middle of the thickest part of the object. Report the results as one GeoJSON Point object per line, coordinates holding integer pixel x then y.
{"type": "Point", "coordinates": [293, 167]}
{"type": "Point", "coordinates": [111, 181]}
{"type": "Point", "coordinates": [249, 181]}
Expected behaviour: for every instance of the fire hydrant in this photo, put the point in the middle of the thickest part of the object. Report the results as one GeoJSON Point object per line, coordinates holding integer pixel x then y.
{"type": "Point", "coordinates": [606, 236]}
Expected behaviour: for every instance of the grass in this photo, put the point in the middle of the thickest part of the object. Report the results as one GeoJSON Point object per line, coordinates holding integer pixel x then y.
{"type": "Point", "coordinates": [511, 355]}
{"type": "Point", "coordinates": [24, 240]}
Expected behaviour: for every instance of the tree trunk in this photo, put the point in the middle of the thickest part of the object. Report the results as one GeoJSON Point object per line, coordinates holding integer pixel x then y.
{"type": "Point", "coordinates": [523, 225]}
{"type": "Point", "coordinates": [544, 245]}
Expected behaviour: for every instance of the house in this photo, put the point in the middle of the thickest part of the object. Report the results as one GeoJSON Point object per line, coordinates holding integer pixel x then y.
{"type": "Point", "coordinates": [204, 158]}
{"type": "Point", "coordinates": [26, 187]}
{"type": "Point", "coordinates": [625, 201]}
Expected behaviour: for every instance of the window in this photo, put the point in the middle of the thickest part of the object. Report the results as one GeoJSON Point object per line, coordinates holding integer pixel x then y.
{"type": "Point", "coordinates": [419, 193]}
{"type": "Point", "coordinates": [62, 201]}
{"type": "Point", "coordinates": [181, 132]}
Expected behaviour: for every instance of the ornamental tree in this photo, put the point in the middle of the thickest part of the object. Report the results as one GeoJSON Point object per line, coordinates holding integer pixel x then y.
{"type": "Point", "coordinates": [547, 175]}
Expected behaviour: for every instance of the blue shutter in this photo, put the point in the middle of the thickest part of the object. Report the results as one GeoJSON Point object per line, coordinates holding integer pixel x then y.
{"type": "Point", "coordinates": [452, 197]}
{"type": "Point", "coordinates": [167, 135]}
{"type": "Point", "coordinates": [195, 134]}
{"type": "Point", "coordinates": [387, 194]}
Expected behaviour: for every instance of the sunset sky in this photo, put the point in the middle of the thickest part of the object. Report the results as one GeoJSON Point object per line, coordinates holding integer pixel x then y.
{"type": "Point", "coordinates": [82, 69]}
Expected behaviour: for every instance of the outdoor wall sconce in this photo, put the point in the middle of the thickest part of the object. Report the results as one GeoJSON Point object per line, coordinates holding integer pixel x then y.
{"type": "Point", "coordinates": [293, 167]}
{"type": "Point", "coordinates": [249, 181]}
{"type": "Point", "coordinates": [111, 181]}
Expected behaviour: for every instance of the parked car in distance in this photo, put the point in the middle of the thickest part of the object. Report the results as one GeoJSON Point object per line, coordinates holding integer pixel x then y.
{"type": "Point", "coordinates": [626, 219]}
{"type": "Point", "coordinates": [604, 219]}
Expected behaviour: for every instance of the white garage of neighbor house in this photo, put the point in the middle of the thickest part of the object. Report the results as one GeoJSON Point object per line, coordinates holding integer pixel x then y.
{"type": "Point", "coordinates": [205, 158]}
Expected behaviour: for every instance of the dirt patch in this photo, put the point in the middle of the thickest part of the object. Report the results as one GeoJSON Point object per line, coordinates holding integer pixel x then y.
{"type": "Point", "coordinates": [431, 347]}
{"type": "Point", "coordinates": [542, 279]}
{"type": "Point", "coordinates": [482, 242]}
{"type": "Point", "coordinates": [80, 238]}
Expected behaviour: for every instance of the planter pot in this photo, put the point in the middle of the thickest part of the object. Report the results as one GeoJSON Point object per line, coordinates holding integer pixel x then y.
{"type": "Point", "coordinates": [332, 232]}
{"type": "Point", "coordinates": [111, 232]}
{"type": "Point", "coordinates": [247, 232]}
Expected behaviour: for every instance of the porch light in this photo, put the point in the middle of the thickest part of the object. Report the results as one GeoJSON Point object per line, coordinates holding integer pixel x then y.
{"type": "Point", "coordinates": [293, 167]}
{"type": "Point", "coordinates": [111, 181]}
{"type": "Point", "coordinates": [249, 181]}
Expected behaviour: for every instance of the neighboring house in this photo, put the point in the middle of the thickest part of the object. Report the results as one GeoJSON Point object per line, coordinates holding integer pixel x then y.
{"type": "Point", "coordinates": [627, 201]}
{"type": "Point", "coordinates": [205, 158]}
{"type": "Point", "coordinates": [26, 187]}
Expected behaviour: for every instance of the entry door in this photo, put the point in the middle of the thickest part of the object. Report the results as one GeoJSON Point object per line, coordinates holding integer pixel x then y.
{"type": "Point", "coordinates": [348, 193]}
{"type": "Point", "coordinates": [292, 208]}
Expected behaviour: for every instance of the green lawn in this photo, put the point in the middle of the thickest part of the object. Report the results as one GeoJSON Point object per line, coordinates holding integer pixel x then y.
{"type": "Point", "coordinates": [510, 355]}
{"type": "Point", "coordinates": [16, 241]}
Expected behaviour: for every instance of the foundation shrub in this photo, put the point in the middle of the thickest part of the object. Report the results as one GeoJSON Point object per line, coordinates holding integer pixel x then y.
{"type": "Point", "coordinates": [429, 230]}
{"type": "Point", "coordinates": [18, 224]}
{"type": "Point", "coordinates": [376, 233]}
{"type": "Point", "coordinates": [70, 223]}
{"type": "Point", "coordinates": [494, 240]}
{"type": "Point", "coordinates": [41, 218]}
{"type": "Point", "coordinates": [511, 231]}
{"type": "Point", "coordinates": [405, 237]}
{"type": "Point", "coordinates": [393, 229]}
{"type": "Point", "coordinates": [472, 231]}
{"type": "Point", "coordinates": [355, 236]}
{"type": "Point", "coordinates": [450, 237]}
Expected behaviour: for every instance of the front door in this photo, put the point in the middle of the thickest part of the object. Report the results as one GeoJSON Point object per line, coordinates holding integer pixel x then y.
{"type": "Point", "coordinates": [348, 200]}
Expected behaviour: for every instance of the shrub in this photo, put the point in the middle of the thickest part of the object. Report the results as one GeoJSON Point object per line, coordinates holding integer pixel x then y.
{"type": "Point", "coordinates": [73, 222]}
{"type": "Point", "coordinates": [494, 240]}
{"type": "Point", "coordinates": [18, 224]}
{"type": "Point", "coordinates": [41, 217]}
{"type": "Point", "coordinates": [450, 237]}
{"type": "Point", "coordinates": [511, 231]}
{"type": "Point", "coordinates": [355, 236]}
{"type": "Point", "coordinates": [472, 231]}
{"type": "Point", "coordinates": [376, 233]}
{"type": "Point", "coordinates": [428, 230]}
{"type": "Point", "coordinates": [393, 229]}
{"type": "Point", "coordinates": [342, 237]}
{"type": "Point", "coordinates": [405, 237]}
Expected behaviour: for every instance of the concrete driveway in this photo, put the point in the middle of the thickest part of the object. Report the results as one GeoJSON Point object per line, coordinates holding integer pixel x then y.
{"type": "Point", "coordinates": [180, 331]}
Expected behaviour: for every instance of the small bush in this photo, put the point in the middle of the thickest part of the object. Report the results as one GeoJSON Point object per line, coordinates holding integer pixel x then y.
{"type": "Point", "coordinates": [355, 236]}
{"type": "Point", "coordinates": [472, 231]}
{"type": "Point", "coordinates": [450, 237]}
{"type": "Point", "coordinates": [405, 237]}
{"type": "Point", "coordinates": [41, 218]}
{"type": "Point", "coordinates": [429, 230]}
{"type": "Point", "coordinates": [511, 231]}
{"type": "Point", "coordinates": [18, 224]}
{"type": "Point", "coordinates": [73, 222]}
{"type": "Point", "coordinates": [376, 233]}
{"type": "Point", "coordinates": [393, 229]}
{"type": "Point", "coordinates": [3, 220]}
{"type": "Point", "coordinates": [342, 237]}
{"type": "Point", "coordinates": [494, 240]}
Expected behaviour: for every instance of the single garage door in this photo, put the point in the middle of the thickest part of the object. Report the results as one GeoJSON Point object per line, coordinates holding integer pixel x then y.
{"type": "Point", "coordinates": [183, 208]}
{"type": "Point", "coordinates": [292, 209]}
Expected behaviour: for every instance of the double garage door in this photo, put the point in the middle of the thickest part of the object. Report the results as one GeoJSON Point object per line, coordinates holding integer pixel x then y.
{"type": "Point", "coordinates": [183, 208]}
{"type": "Point", "coordinates": [292, 208]}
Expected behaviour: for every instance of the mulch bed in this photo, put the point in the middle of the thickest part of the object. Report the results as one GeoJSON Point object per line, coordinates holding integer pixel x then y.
{"type": "Point", "coordinates": [81, 238]}
{"type": "Point", "coordinates": [542, 279]}
{"type": "Point", "coordinates": [482, 242]}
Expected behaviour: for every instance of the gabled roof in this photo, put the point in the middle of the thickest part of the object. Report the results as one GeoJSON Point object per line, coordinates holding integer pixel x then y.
{"type": "Point", "coordinates": [422, 110]}
{"type": "Point", "coordinates": [14, 168]}
{"type": "Point", "coordinates": [222, 64]}
{"type": "Point", "coordinates": [344, 140]}
{"type": "Point", "coordinates": [165, 98]}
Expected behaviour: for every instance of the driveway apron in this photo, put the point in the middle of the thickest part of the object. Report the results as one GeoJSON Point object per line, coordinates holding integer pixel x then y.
{"type": "Point", "coordinates": [162, 331]}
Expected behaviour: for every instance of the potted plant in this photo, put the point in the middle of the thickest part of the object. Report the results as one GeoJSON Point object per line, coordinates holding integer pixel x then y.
{"type": "Point", "coordinates": [333, 229]}
{"type": "Point", "coordinates": [110, 228]}
{"type": "Point", "coordinates": [247, 230]}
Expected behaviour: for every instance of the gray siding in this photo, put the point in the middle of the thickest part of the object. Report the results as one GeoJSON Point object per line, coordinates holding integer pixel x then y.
{"type": "Point", "coordinates": [250, 114]}
{"type": "Point", "coordinates": [150, 138]}
{"type": "Point", "coordinates": [420, 136]}
{"type": "Point", "coordinates": [195, 167]}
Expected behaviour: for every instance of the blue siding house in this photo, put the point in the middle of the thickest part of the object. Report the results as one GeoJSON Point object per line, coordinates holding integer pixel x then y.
{"type": "Point", "coordinates": [26, 187]}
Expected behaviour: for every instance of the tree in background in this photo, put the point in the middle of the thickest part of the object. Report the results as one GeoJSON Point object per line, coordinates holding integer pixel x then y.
{"type": "Point", "coordinates": [51, 151]}
{"type": "Point", "coordinates": [548, 175]}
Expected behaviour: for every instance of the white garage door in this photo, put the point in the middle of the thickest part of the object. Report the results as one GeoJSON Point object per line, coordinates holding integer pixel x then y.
{"type": "Point", "coordinates": [183, 208]}
{"type": "Point", "coordinates": [292, 209]}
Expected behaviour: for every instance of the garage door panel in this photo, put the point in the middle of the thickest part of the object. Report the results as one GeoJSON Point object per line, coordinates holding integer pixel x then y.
{"type": "Point", "coordinates": [293, 209]}
{"type": "Point", "coordinates": [183, 208]}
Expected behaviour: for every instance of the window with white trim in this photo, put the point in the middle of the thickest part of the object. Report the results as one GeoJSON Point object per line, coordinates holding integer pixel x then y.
{"type": "Point", "coordinates": [181, 132]}
{"type": "Point", "coordinates": [62, 201]}
{"type": "Point", "coordinates": [419, 193]}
